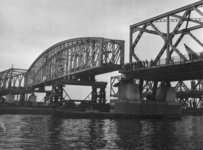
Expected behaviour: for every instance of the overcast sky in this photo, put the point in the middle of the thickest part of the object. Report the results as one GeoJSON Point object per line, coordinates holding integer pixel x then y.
{"type": "Point", "coordinates": [29, 27]}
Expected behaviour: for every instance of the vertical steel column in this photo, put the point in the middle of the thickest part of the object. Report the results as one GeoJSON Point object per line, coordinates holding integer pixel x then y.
{"type": "Point", "coordinates": [58, 97]}
{"type": "Point", "coordinates": [10, 80]}
{"type": "Point", "coordinates": [67, 61]}
{"type": "Point", "coordinates": [130, 48]}
{"type": "Point", "coordinates": [101, 43]}
{"type": "Point", "coordinates": [102, 96]}
{"type": "Point", "coordinates": [47, 96]}
{"type": "Point", "coordinates": [168, 35]}
{"type": "Point", "coordinates": [22, 98]}
{"type": "Point", "coordinates": [122, 53]}
{"type": "Point", "coordinates": [94, 95]}
{"type": "Point", "coordinates": [154, 90]}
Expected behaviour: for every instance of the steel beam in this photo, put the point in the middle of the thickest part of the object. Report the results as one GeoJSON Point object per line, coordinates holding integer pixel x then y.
{"type": "Point", "coordinates": [198, 11]}
{"type": "Point", "coordinates": [192, 36]}
{"type": "Point", "coordinates": [197, 4]}
{"type": "Point", "coordinates": [169, 43]}
{"type": "Point", "coordinates": [194, 20]}
{"type": "Point", "coordinates": [132, 46]}
{"type": "Point", "coordinates": [171, 37]}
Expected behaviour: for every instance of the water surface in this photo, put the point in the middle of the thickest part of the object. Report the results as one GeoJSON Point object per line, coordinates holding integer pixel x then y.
{"type": "Point", "coordinates": [42, 132]}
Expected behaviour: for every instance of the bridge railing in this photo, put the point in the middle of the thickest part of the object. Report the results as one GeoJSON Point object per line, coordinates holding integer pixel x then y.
{"type": "Point", "coordinates": [178, 59]}
{"type": "Point", "coordinates": [73, 56]}
{"type": "Point", "coordinates": [163, 62]}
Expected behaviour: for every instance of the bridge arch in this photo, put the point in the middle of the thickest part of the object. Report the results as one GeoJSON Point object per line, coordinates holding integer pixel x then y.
{"type": "Point", "coordinates": [75, 59]}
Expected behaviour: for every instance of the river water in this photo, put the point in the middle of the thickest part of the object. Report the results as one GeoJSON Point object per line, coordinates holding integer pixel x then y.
{"type": "Point", "coordinates": [43, 132]}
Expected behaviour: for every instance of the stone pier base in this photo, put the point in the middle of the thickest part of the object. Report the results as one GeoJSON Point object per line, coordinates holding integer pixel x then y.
{"type": "Point", "coordinates": [147, 107]}
{"type": "Point", "coordinates": [129, 101]}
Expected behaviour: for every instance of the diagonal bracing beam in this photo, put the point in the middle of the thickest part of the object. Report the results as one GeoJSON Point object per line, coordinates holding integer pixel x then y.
{"type": "Point", "coordinates": [167, 42]}
{"type": "Point", "coordinates": [177, 42]}
{"type": "Point", "coordinates": [146, 31]}
{"type": "Point", "coordinates": [165, 39]}
{"type": "Point", "coordinates": [192, 36]}
{"type": "Point", "coordinates": [132, 53]}
{"type": "Point", "coordinates": [198, 11]}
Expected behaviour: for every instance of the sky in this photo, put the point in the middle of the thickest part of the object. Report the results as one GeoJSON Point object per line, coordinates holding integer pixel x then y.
{"type": "Point", "coordinates": [29, 27]}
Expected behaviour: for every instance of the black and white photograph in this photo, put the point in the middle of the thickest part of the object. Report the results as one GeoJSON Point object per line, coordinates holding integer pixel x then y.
{"type": "Point", "coordinates": [101, 75]}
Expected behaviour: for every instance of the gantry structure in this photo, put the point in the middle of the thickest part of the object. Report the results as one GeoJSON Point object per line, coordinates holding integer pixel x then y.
{"type": "Point", "coordinates": [173, 66]}
{"type": "Point", "coordinates": [70, 62]}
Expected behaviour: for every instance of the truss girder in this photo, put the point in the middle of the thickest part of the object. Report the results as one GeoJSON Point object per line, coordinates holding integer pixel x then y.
{"type": "Point", "coordinates": [180, 16]}
{"type": "Point", "coordinates": [168, 41]}
{"type": "Point", "coordinates": [132, 53]}
{"type": "Point", "coordinates": [181, 86]}
{"type": "Point", "coordinates": [12, 78]}
{"type": "Point", "coordinates": [113, 81]}
{"type": "Point", "coordinates": [194, 20]}
{"type": "Point", "coordinates": [165, 39]}
{"type": "Point", "coordinates": [72, 56]}
{"type": "Point", "coordinates": [177, 42]}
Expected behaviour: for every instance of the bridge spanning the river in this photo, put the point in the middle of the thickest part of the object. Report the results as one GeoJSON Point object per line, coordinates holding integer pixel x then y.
{"type": "Point", "coordinates": [71, 62]}
{"type": "Point", "coordinates": [78, 61]}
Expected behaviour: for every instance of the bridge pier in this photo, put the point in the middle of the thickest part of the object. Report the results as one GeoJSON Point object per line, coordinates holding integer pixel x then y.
{"type": "Point", "coordinates": [130, 100]}
{"type": "Point", "coordinates": [58, 94]}
{"type": "Point", "coordinates": [94, 95]}
{"type": "Point", "coordinates": [23, 97]}
{"type": "Point", "coordinates": [98, 97]}
{"type": "Point", "coordinates": [102, 96]}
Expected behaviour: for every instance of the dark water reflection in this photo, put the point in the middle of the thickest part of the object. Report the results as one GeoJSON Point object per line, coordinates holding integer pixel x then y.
{"type": "Point", "coordinates": [24, 132]}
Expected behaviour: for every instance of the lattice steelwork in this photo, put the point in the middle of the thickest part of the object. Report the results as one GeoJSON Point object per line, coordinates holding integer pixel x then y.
{"type": "Point", "coordinates": [12, 78]}
{"type": "Point", "coordinates": [75, 56]}
{"type": "Point", "coordinates": [184, 26]}
{"type": "Point", "coordinates": [113, 87]}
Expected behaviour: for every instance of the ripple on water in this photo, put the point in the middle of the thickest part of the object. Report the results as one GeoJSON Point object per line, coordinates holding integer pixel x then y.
{"type": "Point", "coordinates": [34, 132]}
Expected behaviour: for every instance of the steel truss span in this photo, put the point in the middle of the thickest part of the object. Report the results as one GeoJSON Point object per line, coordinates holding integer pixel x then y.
{"type": "Point", "coordinates": [76, 59]}
{"type": "Point", "coordinates": [12, 78]}
{"type": "Point", "coordinates": [12, 81]}
{"type": "Point", "coordinates": [177, 23]}
{"type": "Point", "coordinates": [174, 34]}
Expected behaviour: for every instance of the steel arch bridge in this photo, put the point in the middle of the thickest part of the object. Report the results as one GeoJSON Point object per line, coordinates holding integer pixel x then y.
{"type": "Point", "coordinates": [70, 62]}
{"type": "Point", "coordinates": [76, 59]}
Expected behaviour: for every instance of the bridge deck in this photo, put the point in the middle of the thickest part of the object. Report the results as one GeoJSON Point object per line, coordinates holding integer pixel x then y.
{"type": "Point", "coordinates": [18, 91]}
{"type": "Point", "coordinates": [172, 72]}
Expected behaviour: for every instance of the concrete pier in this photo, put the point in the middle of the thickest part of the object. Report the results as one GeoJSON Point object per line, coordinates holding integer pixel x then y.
{"type": "Point", "coordinates": [129, 101]}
